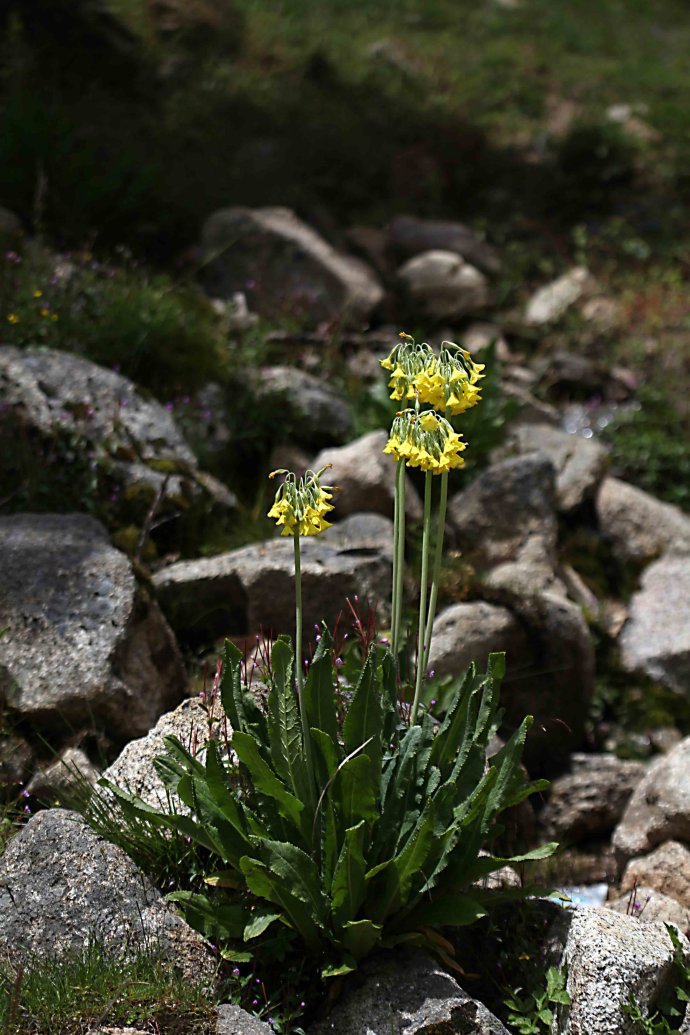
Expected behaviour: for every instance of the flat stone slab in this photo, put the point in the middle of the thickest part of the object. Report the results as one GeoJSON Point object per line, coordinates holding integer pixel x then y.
{"type": "Point", "coordinates": [252, 588]}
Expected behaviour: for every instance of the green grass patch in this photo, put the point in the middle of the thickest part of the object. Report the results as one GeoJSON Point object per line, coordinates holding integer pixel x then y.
{"type": "Point", "coordinates": [69, 996]}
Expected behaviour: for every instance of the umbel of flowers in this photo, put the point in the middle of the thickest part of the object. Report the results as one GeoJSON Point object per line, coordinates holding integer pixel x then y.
{"type": "Point", "coordinates": [424, 438]}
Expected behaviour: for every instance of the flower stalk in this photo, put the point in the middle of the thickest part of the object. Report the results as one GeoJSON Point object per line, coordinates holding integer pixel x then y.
{"type": "Point", "coordinates": [421, 648]}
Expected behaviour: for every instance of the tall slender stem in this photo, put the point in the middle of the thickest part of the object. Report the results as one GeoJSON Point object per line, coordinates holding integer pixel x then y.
{"type": "Point", "coordinates": [299, 673]}
{"type": "Point", "coordinates": [298, 619]}
{"type": "Point", "coordinates": [436, 568]}
{"type": "Point", "coordinates": [398, 556]}
{"type": "Point", "coordinates": [394, 600]}
{"type": "Point", "coordinates": [422, 597]}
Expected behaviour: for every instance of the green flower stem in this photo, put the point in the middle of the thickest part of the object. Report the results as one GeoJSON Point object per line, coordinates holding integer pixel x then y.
{"type": "Point", "coordinates": [298, 619]}
{"type": "Point", "coordinates": [398, 557]}
{"type": "Point", "coordinates": [299, 674]}
{"type": "Point", "coordinates": [436, 570]}
{"type": "Point", "coordinates": [422, 597]}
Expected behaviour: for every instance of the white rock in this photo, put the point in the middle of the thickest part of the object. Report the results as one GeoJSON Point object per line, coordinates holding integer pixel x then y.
{"type": "Point", "coordinates": [442, 286]}
{"type": "Point", "coordinates": [550, 302]}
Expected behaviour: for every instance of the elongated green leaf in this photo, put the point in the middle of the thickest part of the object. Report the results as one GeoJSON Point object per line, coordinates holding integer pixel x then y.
{"type": "Point", "coordinates": [261, 919]}
{"type": "Point", "coordinates": [360, 937]}
{"type": "Point", "coordinates": [509, 775]}
{"type": "Point", "coordinates": [449, 736]}
{"type": "Point", "coordinates": [398, 794]}
{"type": "Point", "coordinates": [452, 910]}
{"type": "Point", "coordinates": [284, 724]}
{"type": "Point", "coordinates": [347, 891]}
{"type": "Point", "coordinates": [333, 970]}
{"type": "Point", "coordinates": [179, 752]}
{"type": "Point", "coordinates": [231, 691]}
{"type": "Point", "coordinates": [495, 671]}
{"type": "Point", "coordinates": [487, 864]}
{"type": "Point", "coordinates": [364, 720]}
{"type": "Point", "coordinates": [225, 879]}
{"type": "Point", "coordinates": [411, 862]}
{"type": "Point", "coordinates": [382, 891]}
{"type": "Point", "coordinates": [214, 919]}
{"type": "Point", "coordinates": [353, 792]}
{"type": "Point", "coordinates": [185, 825]}
{"type": "Point", "coordinates": [262, 881]}
{"type": "Point", "coordinates": [299, 872]}
{"type": "Point", "coordinates": [265, 780]}
{"type": "Point", "coordinates": [318, 696]}
{"type": "Point", "coordinates": [219, 787]}
{"type": "Point", "coordinates": [329, 842]}
{"type": "Point", "coordinates": [389, 699]}
{"type": "Point", "coordinates": [328, 756]}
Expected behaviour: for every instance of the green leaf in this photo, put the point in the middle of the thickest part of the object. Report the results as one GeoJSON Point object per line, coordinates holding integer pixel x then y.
{"type": "Point", "coordinates": [318, 696]}
{"type": "Point", "coordinates": [487, 864]}
{"type": "Point", "coordinates": [231, 691]}
{"type": "Point", "coordinates": [214, 919]}
{"type": "Point", "coordinates": [363, 722]}
{"type": "Point", "coordinates": [262, 881]}
{"type": "Point", "coordinates": [353, 792]}
{"type": "Point", "coordinates": [265, 780]}
{"type": "Point", "coordinates": [348, 889]}
{"type": "Point", "coordinates": [338, 969]}
{"type": "Point", "coordinates": [360, 937]}
{"type": "Point", "coordinates": [300, 874]}
{"type": "Point", "coordinates": [284, 724]}
{"type": "Point", "coordinates": [456, 909]}
{"type": "Point", "coordinates": [260, 921]}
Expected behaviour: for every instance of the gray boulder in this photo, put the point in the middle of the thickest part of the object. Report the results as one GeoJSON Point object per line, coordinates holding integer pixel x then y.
{"type": "Point", "coordinates": [666, 869]}
{"type": "Point", "coordinates": [647, 904]}
{"type": "Point", "coordinates": [313, 413]}
{"type": "Point", "coordinates": [253, 587]}
{"type": "Point", "coordinates": [408, 236]}
{"type": "Point", "coordinates": [408, 993]}
{"type": "Point", "coordinates": [83, 644]}
{"type": "Point", "coordinates": [506, 524]}
{"type": "Point", "coordinates": [549, 659]}
{"type": "Point", "coordinates": [589, 800]}
{"type": "Point", "coordinates": [63, 887]}
{"type": "Point", "coordinates": [64, 779]}
{"type": "Point", "coordinates": [659, 809]}
{"type": "Point", "coordinates": [285, 268]}
{"type": "Point", "coordinates": [365, 477]}
{"type": "Point", "coordinates": [580, 462]}
{"type": "Point", "coordinates": [608, 958]}
{"type": "Point", "coordinates": [48, 396]}
{"type": "Point", "coordinates": [638, 526]}
{"type": "Point", "coordinates": [233, 1020]}
{"type": "Point", "coordinates": [656, 638]}
{"type": "Point", "coordinates": [440, 285]}
{"type": "Point", "coordinates": [133, 769]}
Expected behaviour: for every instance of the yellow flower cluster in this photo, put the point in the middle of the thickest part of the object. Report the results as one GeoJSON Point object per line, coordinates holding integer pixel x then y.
{"type": "Point", "coordinates": [425, 440]}
{"type": "Point", "coordinates": [300, 506]}
{"type": "Point", "coordinates": [447, 382]}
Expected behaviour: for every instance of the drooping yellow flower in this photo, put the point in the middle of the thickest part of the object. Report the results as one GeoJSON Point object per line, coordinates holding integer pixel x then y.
{"type": "Point", "coordinates": [425, 440]}
{"type": "Point", "coordinates": [449, 383]}
{"type": "Point", "coordinates": [406, 361]}
{"type": "Point", "coordinates": [300, 505]}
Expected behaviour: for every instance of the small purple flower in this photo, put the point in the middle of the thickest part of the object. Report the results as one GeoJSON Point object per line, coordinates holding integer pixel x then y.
{"type": "Point", "coordinates": [339, 661]}
{"type": "Point", "coordinates": [236, 971]}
